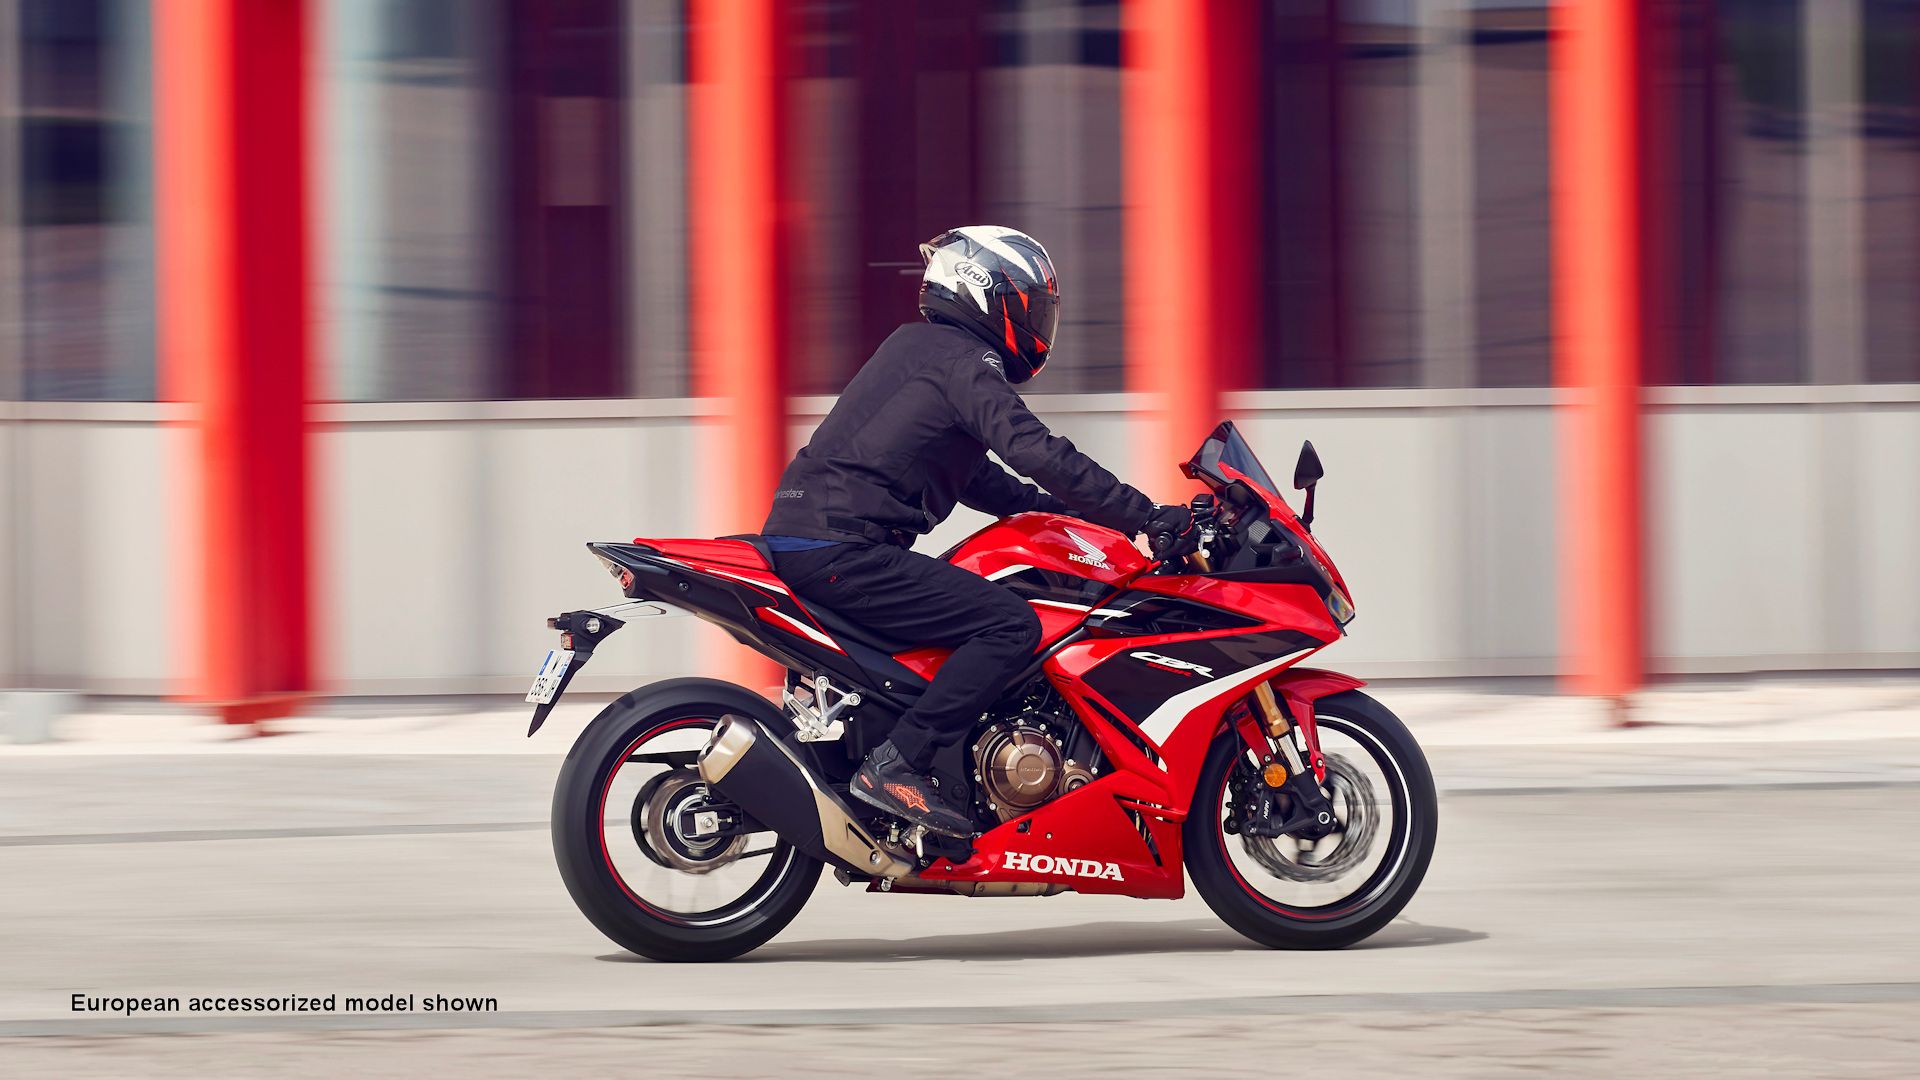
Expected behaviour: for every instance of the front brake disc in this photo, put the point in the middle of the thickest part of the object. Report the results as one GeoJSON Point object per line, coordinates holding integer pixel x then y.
{"type": "Point", "coordinates": [1354, 806]}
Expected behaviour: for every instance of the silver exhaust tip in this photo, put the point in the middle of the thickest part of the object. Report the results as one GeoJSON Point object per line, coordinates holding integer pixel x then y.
{"type": "Point", "coordinates": [765, 778]}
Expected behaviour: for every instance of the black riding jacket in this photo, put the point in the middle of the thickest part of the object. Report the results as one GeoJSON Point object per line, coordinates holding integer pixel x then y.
{"type": "Point", "coordinates": [909, 438]}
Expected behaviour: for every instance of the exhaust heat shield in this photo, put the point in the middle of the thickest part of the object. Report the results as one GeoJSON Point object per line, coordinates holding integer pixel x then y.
{"type": "Point", "coordinates": [763, 777]}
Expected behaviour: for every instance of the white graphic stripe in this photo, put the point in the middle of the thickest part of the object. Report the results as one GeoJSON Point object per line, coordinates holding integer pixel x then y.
{"type": "Point", "coordinates": [756, 584]}
{"type": "Point", "coordinates": [1061, 604]}
{"type": "Point", "coordinates": [1164, 719]}
{"type": "Point", "coordinates": [1111, 613]}
{"type": "Point", "coordinates": [1008, 571]}
{"type": "Point", "coordinates": [803, 629]}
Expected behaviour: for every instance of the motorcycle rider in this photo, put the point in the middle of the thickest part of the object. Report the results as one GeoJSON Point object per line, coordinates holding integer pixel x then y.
{"type": "Point", "coordinates": [906, 441]}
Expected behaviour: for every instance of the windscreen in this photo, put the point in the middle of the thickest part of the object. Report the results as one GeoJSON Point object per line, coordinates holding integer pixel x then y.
{"type": "Point", "coordinates": [1225, 446]}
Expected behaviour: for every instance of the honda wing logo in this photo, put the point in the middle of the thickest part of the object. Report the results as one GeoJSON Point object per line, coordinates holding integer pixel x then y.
{"type": "Point", "coordinates": [1173, 663]}
{"type": "Point", "coordinates": [1090, 555]}
{"type": "Point", "coordinates": [1050, 864]}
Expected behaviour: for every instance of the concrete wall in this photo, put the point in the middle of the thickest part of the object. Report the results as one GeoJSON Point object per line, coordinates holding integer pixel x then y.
{"type": "Point", "coordinates": [1785, 534]}
{"type": "Point", "coordinates": [91, 552]}
{"type": "Point", "coordinates": [1783, 526]}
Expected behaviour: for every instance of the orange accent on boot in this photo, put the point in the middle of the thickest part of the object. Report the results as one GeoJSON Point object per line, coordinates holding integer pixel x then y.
{"type": "Point", "coordinates": [909, 797]}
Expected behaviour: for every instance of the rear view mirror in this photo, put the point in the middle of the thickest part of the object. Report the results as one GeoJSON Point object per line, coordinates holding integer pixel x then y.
{"type": "Point", "coordinates": [1307, 471]}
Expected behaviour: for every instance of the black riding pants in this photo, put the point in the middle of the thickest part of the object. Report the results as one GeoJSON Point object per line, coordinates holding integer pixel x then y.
{"type": "Point", "coordinates": [907, 601]}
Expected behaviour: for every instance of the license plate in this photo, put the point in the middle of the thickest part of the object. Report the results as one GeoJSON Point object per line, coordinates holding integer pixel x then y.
{"type": "Point", "coordinates": [547, 683]}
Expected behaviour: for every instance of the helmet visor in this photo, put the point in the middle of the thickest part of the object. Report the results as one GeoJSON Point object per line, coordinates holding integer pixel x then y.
{"type": "Point", "coordinates": [1043, 318]}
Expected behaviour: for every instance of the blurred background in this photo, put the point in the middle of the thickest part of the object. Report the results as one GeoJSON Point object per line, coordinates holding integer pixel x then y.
{"type": "Point", "coordinates": [498, 340]}
{"type": "Point", "coordinates": [331, 331]}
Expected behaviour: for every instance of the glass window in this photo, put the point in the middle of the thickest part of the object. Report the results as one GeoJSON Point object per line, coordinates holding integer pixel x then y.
{"type": "Point", "coordinates": [505, 198]}
{"type": "Point", "coordinates": [408, 153]}
{"type": "Point", "coordinates": [1379, 55]}
{"type": "Point", "coordinates": [1684, 194]}
{"type": "Point", "coordinates": [1305, 316]}
{"type": "Point", "coordinates": [656, 197]}
{"type": "Point", "coordinates": [911, 119]}
{"type": "Point", "coordinates": [1512, 193]}
{"type": "Point", "coordinates": [1341, 291]}
{"type": "Point", "coordinates": [564, 191]}
{"type": "Point", "coordinates": [86, 196]}
{"type": "Point", "coordinates": [1890, 163]}
{"type": "Point", "coordinates": [1053, 169]}
{"type": "Point", "coordinates": [1761, 179]}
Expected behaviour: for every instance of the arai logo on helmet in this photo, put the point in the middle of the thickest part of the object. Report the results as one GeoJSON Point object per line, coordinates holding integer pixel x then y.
{"type": "Point", "coordinates": [973, 274]}
{"type": "Point", "coordinates": [1052, 864]}
{"type": "Point", "coordinates": [1089, 554]}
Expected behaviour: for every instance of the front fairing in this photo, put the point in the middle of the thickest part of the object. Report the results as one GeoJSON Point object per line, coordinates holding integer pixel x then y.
{"type": "Point", "coordinates": [1226, 463]}
{"type": "Point", "coordinates": [1283, 516]}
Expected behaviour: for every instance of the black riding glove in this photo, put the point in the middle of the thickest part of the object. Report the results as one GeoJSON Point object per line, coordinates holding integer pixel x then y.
{"type": "Point", "coordinates": [1171, 532]}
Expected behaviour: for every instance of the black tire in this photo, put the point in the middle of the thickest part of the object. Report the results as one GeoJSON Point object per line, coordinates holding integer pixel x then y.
{"type": "Point", "coordinates": [580, 848]}
{"type": "Point", "coordinates": [1398, 875]}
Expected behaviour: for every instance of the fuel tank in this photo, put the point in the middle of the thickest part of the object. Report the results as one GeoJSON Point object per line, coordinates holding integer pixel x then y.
{"type": "Point", "coordinates": [1062, 566]}
{"type": "Point", "coordinates": [1062, 558]}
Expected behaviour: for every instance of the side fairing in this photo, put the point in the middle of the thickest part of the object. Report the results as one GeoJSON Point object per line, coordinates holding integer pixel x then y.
{"type": "Point", "coordinates": [1155, 699]}
{"type": "Point", "coordinates": [1145, 678]}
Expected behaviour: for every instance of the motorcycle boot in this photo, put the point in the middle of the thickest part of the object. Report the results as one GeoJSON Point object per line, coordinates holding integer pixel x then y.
{"type": "Point", "coordinates": [887, 781]}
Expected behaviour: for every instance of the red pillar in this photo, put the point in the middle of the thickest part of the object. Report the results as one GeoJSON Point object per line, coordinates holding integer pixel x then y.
{"type": "Point", "coordinates": [1598, 116]}
{"type": "Point", "coordinates": [1191, 154]}
{"type": "Point", "coordinates": [230, 200]}
{"type": "Point", "coordinates": [737, 195]}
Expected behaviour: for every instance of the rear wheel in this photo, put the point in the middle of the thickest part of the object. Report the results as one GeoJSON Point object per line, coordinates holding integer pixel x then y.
{"type": "Point", "coordinates": [627, 832]}
{"type": "Point", "coordinates": [1290, 893]}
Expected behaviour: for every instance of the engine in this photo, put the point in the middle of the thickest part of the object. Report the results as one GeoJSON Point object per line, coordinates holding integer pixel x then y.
{"type": "Point", "coordinates": [1029, 756]}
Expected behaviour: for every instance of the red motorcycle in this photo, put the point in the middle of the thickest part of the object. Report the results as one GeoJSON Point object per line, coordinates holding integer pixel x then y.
{"type": "Point", "coordinates": [1162, 724]}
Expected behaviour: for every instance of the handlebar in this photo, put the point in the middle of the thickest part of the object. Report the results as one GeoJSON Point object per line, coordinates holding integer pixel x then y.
{"type": "Point", "coordinates": [1205, 509]}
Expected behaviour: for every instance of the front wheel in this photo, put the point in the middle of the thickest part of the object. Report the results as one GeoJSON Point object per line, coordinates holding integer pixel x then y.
{"type": "Point", "coordinates": [1290, 893]}
{"type": "Point", "coordinates": [621, 834]}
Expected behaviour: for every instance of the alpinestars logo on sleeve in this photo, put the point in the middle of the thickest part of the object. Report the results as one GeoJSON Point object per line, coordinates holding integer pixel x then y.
{"type": "Point", "coordinates": [993, 361]}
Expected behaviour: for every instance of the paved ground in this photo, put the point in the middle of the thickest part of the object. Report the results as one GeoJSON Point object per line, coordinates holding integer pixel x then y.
{"type": "Point", "coordinates": [1647, 903]}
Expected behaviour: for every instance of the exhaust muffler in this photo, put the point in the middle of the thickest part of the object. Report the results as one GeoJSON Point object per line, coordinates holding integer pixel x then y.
{"type": "Point", "coordinates": [763, 777]}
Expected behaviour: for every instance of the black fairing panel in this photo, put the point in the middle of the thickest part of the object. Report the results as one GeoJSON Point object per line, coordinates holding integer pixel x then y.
{"type": "Point", "coordinates": [1141, 614]}
{"type": "Point", "coordinates": [729, 604]}
{"type": "Point", "coordinates": [1034, 583]}
{"type": "Point", "coordinates": [1140, 680]}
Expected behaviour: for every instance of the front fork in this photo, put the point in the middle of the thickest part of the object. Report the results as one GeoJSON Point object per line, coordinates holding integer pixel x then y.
{"type": "Point", "coordinates": [1297, 770]}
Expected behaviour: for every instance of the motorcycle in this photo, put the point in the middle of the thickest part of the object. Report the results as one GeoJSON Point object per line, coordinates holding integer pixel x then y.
{"type": "Point", "coordinates": [1163, 725]}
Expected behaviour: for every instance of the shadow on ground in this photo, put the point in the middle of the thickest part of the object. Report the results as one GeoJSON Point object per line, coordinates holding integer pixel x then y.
{"type": "Point", "coordinates": [1065, 942]}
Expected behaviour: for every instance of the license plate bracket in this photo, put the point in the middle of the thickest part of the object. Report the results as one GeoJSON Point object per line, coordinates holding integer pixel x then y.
{"type": "Point", "coordinates": [552, 673]}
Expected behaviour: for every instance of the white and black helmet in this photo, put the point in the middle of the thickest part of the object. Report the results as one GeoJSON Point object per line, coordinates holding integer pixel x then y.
{"type": "Point", "coordinates": [998, 283]}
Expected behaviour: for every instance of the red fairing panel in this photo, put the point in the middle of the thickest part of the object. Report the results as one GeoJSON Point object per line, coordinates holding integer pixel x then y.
{"type": "Point", "coordinates": [1054, 624]}
{"type": "Point", "coordinates": [1295, 607]}
{"type": "Point", "coordinates": [730, 552]}
{"type": "Point", "coordinates": [1184, 723]}
{"type": "Point", "coordinates": [723, 558]}
{"type": "Point", "coordinates": [1052, 542]}
{"type": "Point", "coordinates": [1086, 838]}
